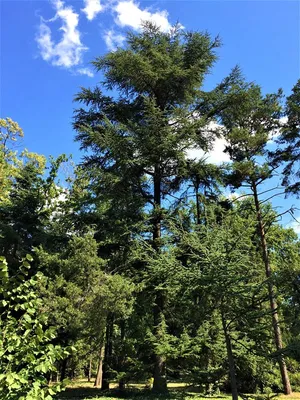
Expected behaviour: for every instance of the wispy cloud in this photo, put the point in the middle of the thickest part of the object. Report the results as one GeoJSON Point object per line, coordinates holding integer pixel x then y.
{"type": "Point", "coordinates": [69, 50]}
{"type": "Point", "coordinates": [113, 40]}
{"type": "Point", "coordinates": [129, 13]}
{"type": "Point", "coordinates": [295, 224]}
{"type": "Point", "coordinates": [92, 8]}
{"type": "Point", "coordinates": [85, 71]}
{"type": "Point", "coordinates": [217, 154]}
{"type": "Point", "coordinates": [276, 133]}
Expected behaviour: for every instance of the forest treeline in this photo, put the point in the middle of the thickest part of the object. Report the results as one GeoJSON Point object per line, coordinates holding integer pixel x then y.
{"type": "Point", "coordinates": [145, 264]}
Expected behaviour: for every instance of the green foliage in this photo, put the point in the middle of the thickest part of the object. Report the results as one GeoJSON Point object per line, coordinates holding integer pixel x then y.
{"type": "Point", "coordinates": [10, 133]}
{"type": "Point", "coordinates": [142, 263]}
{"type": "Point", "coordinates": [27, 355]}
{"type": "Point", "coordinates": [27, 216]}
{"type": "Point", "coordinates": [289, 140]}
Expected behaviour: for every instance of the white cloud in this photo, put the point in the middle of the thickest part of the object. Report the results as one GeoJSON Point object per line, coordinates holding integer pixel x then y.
{"type": "Point", "coordinates": [92, 8]}
{"type": "Point", "coordinates": [295, 225]}
{"type": "Point", "coordinates": [113, 40]}
{"type": "Point", "coordinates": [217, 154]}
{"type": "Point", "coordinates": [85, 71]}
{"type": "Point", "coordinates": [235, 196]}
{"type": "Point", "coordinates": [69, 50]}
{"type": "Point", "coordinates": [274, 135]}
{"type": "Point", "coordinates": [130, 14]}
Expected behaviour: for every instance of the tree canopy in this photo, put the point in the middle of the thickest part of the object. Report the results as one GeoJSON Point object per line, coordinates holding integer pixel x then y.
{"type": "Point", "coordinates": [144, 265]}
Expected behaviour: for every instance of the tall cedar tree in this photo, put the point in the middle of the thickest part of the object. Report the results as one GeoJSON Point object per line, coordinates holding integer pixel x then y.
{"type": "Point", "coordinates": [248, 127]}
{"type": "Point", "coordinates": [140, 133]}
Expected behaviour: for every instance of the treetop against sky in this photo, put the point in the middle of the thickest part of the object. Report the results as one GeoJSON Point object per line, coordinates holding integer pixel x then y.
{"type": "Point", "coordinates": [47, 47]}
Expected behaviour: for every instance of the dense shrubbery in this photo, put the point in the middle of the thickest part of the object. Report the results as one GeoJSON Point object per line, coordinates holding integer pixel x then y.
{"type": "Point", "coordinates": [27, 354]}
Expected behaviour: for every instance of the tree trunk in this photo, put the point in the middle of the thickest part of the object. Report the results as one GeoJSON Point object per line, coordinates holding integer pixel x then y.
{"type": "Point", "coordinates": [122, 356]}
{"type": "Point", "coordinates": [231, 362]}
{"type": "Point", "coordinates": [107, 352]}
{"type": "Point", "coordinates": [98, 380]}
{"type": "Point", "coordinates": [208, 384]}
{"type": "Point", "coordinates": [121, 384]}
{"type": "Point", "coordinates": [50, 378]}
{"type": "Point", "coordinates": [273, 304]}
{"type": "Point", "coordinates": [159, 373]}
{"type": "Point", "coordinates": [63, 369]}
{"type": "Point", "coordinates": [197, 203]}
{"type": "Point", "coordinates": [160, 380]}
{"type": "Point", "coordinates": [90, 369]}
{"type": "Point", "coordinates": [157, 206]}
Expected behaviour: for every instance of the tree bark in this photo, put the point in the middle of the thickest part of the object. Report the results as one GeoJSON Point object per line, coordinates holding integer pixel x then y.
{"type": "Point", "coordinates": [122, 358]}
{"type": "Point", "coordinates": [208, 385]}
{"type": "Point", "coordinates": [159, 373]}
{"type": "Point", "coordinates": [90, 369]}
{"type": "Point", "coordinates": [157, 206]}
{"type": "Point", "coordinates": [198, 203]}
{"type": "Point", "coordinates": [63, 369]}
{"type": "Point", "coordinates": [107, 352]}
{"type": "Point", "coordinates": [273, 304]}
{"type": "Point", "coordinates": [232, 371]}
{"type": "Point", "coordinates": [50, 376]}
{"type": "Point", "coordinates": [121, 384]}
{"type": "Point", "coordinates": [98, 380]}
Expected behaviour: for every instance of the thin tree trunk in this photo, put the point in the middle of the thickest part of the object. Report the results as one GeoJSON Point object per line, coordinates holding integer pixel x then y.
{"type": "Point", "coordinates": [63, 369]}
{"type": "Point", "coordinates": [157, 206]}
{"type": "Point", "coordinates": [98, 380]}
{"type": "Point", "coordinates": [122, 358]}
{"type": "Point", "coordinates": [198, 203]}
{"type": "Point", "coordinates": [208, 385]}
{"type": "Point", "coordinates": [107, 352]}
{"type": "Point", "coordinates": [273, 304]}
{"type": "Point", "coordinates": [90, 369]}
{"type": "Point", "coordinates": [50, 378]}
{"type": "Point", "coordinates": [159, 374]}
{"type": "Point", "coordinates": [231, 362]}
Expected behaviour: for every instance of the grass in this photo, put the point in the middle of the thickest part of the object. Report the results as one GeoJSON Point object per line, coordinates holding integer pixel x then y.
{"type": "Point", "coordinates": [83, 390]}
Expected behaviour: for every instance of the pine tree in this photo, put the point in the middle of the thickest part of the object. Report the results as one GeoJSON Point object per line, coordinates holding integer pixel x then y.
{"type": "Point", "coordinates": [139, 135]}
{"type": "Point", "coordinates": [249, 125]}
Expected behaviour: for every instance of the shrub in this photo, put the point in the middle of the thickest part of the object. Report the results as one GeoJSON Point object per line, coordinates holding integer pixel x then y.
{"type": "Point", "coordinates": [27, 356]}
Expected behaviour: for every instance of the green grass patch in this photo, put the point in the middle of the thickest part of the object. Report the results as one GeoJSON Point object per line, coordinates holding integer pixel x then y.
{"type": "Point", "coordinates": [131, 394]}
{"type": "Point", "coordinates": [82, 390]}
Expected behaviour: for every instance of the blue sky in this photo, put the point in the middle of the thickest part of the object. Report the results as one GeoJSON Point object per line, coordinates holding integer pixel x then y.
{"type": "Point", "coordinates": [46, 47]}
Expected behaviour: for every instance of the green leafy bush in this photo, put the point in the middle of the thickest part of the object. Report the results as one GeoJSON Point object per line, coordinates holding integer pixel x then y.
{"type": "Point", "coordinates": [27, 355]}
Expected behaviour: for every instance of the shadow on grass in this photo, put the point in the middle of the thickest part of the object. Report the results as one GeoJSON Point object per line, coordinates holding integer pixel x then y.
{"type": "Point", "coordinates": [134, 394]}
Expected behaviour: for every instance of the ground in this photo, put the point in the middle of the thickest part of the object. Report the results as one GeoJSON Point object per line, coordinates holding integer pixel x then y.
{"type": "Point", "coordinates": [82, 390]}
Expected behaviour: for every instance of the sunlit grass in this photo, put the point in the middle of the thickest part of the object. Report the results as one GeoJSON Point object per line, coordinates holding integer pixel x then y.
{"type": "Point", "coordinates": [81, 389]}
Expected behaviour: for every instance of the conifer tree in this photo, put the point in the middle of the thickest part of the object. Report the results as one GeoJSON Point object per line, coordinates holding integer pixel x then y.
{"type": "Point", "coordinates": [140, 133]}
{"type": "Point", "coordinates": [249, 125]}
{"type": "Point", "coordinates": [288, 150]}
